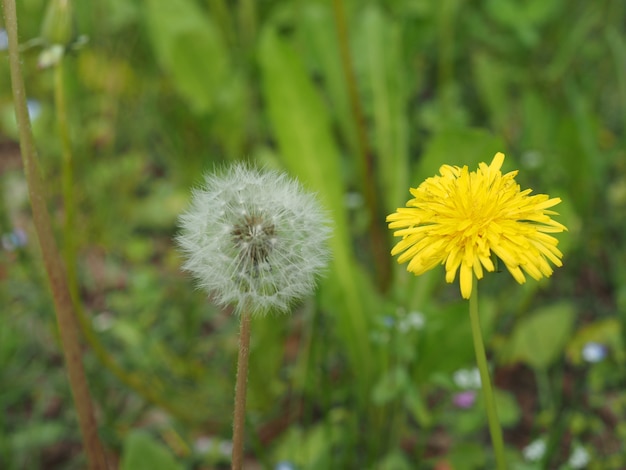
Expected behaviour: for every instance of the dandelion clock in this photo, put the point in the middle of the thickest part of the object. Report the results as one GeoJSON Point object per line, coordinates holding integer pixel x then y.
{"type": "Point", "coordinates": [255, 240]}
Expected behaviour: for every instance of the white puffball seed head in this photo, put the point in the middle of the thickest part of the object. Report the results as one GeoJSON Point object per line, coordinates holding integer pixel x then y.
{"type": "Point", "coordinates": [254, 239]}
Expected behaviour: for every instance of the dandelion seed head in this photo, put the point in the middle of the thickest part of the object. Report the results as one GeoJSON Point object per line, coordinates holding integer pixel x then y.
{"type": "Point", "coordinates": [461, 219]}
{"type": "Point", "coordinates": [254, 239]}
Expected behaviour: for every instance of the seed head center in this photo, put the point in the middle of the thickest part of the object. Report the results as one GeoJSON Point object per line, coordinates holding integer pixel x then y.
{"type": "Point", "coordinates": [254, 236]}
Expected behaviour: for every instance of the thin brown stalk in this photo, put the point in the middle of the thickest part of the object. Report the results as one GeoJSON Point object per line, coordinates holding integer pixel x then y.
{"type": "Point", "coordinates": [240, 392]}
{"type": "Point", "coordinates": [64, 308]}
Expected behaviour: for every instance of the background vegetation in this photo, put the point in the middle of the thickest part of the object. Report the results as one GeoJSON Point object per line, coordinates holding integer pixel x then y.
{"type": "Point", "coordinates": [359, 100]}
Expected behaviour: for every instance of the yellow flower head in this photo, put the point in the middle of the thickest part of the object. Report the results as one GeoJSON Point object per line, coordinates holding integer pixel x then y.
{"type": "Point", "coordinates": [460, 218]}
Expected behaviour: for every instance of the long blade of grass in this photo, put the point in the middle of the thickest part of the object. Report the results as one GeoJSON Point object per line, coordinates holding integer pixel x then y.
{"type": "Point", "coordinates": [300, 124]}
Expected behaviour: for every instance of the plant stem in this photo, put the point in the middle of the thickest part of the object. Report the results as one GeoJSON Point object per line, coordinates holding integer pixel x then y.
{"type": "Point", "coordinates": [67, 177]}
{"type": "Point", "coordinates": [365, 161]}
{"type": "Point", "coordinates": [64, 308]}
{"type": "Point", "coordinates": [247, 24]}
{"type": "Point", "coordinates": [481, 359]}
{"type": "Point", "coordinates": [240, 391]}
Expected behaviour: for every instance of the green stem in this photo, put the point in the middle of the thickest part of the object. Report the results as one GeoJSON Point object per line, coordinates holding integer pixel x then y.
{"type": "Point", "coordinates": [365, 161]}
{"type": "Point", "coordinates": [67, 177]}
{"type": "Point", "coordinates": [219, 11]}
{"type": "Point", "coordinates": [64, 308]}
{"type": "Point", "coordinates": [481, 360]}
{"type": "Point", "coordinates": [247, 25]}
{"type": "Point", "coordinates": [544, 388]}
{"type": "Point", "coordinates": [445, 27]}
{"type": "Point", "coordinates": [240, 391]}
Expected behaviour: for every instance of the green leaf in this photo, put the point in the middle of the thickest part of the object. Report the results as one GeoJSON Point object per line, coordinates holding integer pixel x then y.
{"type": "Point", "coordinates": [524, 18]}
{"type": "Point", "coordinates": [142, 452]}
{"type": "Point", "coordinates": [539, 339]}
{"type": "Point", "coordinates": [301, 126]}
{"type": "Point", "coordinates": [308, 449]}
{"type": "Point", "coordinates": [390, 386]}
{"type": "Point", "coordinates": [37, 435]}
{"type": "Point", "coordinates": [395, 460]}
{"type": "Point", "coordinates": [382, 74]}
{"type": "Point", "coordinates": [467, 456]}
{"type": "Point", "coordinates": [188, 46]}
{"type": "Point", "coordinates": [416, 405]}
{"type": "Point", "coordinates": [318, 30]}
{"type": "Point", "coordinates": [508, 410]}
{"type": "Point", "coordinates": [493, 79]}
{"type": "Point", "coordinates": [447, 343]}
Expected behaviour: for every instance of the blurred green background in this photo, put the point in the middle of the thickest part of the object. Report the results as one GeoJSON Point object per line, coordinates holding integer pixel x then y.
{"type": "Point", "coordinates": [360, 101]}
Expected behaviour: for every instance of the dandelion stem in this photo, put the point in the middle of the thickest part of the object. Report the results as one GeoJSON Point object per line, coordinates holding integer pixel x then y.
{"type": "Point", "coordinates": [64, 308]}
{"type": "Point", "coordinates": [240, 391]}
{"type": "Point", "coordinates": [481, 360]}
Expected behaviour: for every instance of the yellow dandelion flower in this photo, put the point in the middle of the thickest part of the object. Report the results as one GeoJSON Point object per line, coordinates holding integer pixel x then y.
{"type": "Point", "coordinates": [461, 218]}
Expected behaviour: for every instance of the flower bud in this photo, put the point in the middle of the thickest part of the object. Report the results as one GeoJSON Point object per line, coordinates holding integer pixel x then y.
{"type": "Point", "coordinates": [58, 26]}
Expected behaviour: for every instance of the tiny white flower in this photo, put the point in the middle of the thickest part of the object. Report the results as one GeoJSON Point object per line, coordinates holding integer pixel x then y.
{"type": "Point", "coordinates": [413, 321]}
{"type": "Point", "coordinates": [254, 239]}
{"type": "Point", "coordinates": [225, 448]}
{"type": "Point", "coordinates": [535, 451]}
{"type": "Point", "coordinates": [579, 458]}
{"type": "Point", "coordinates": [103, 321]}
{"type": "Point", "coordinates": [467, 378]}
{"type": "Point", "coordinates": [203, 445]}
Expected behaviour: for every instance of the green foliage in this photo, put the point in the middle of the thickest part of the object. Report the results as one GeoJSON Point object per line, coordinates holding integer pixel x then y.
{"type": "Point", "coordinates": [141, 452]}
{"type": "Point", "coordinates": [379, 61]}
{"type": "Point", "coordinates": [302, 128]}
{"type": "Point", "coordinates": [189, 48]}
{"type": "Point", "coordinates": [539, 338]}
{"type": "Point", "coordinates": [363, 374]}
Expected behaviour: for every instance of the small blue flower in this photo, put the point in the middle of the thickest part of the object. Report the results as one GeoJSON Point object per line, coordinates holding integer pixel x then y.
{"type": "Point", "coordinates": [4, 40]}
{"type": "Point", "coordinates": [594, 352]}
{"type": "Point", "coordinates": [284, 465]}
{"type": "Point", "coordinates": [34, 108]}
{"type": "Point", "coordinates": [16, 239]}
